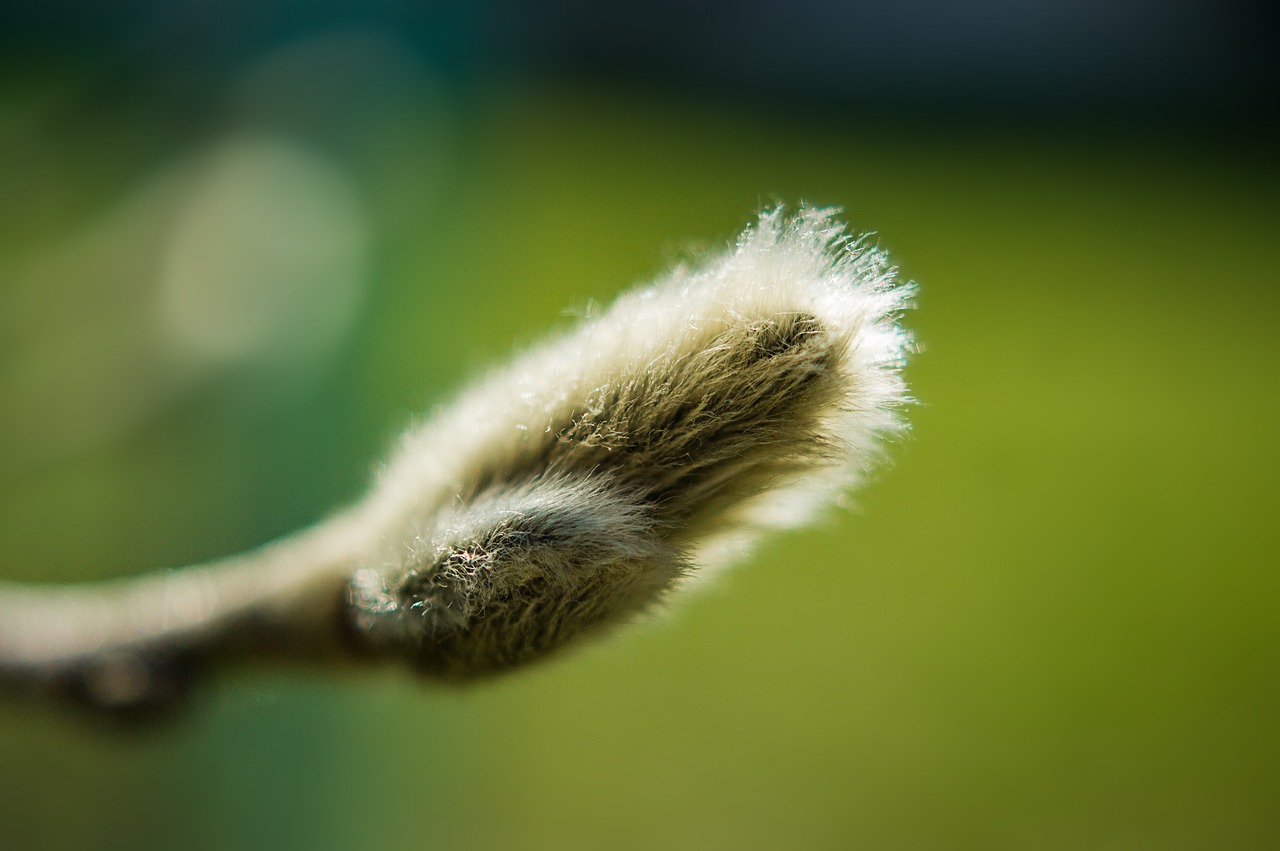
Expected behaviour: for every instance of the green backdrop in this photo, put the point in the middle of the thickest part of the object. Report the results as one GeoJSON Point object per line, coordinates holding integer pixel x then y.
{"type": "Point", "coordinates": [1050, 623]}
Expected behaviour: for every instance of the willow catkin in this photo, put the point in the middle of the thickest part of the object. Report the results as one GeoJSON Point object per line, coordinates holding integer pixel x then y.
{"type": "Point", "coordinates": [565, 493]}
{"type": "Point", "coordinates": [580, 484]}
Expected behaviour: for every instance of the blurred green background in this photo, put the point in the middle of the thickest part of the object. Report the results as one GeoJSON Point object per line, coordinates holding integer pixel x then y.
{"type": "Point", "coordinates": [241, 248]}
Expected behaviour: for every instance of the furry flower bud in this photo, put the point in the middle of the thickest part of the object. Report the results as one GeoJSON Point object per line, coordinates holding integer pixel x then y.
{"type": "Point", "coordinates": [574, 488]}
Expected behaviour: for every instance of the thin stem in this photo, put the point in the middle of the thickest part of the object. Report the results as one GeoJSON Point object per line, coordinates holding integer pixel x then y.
{"type": "Point", "coordinates": [135, 644]}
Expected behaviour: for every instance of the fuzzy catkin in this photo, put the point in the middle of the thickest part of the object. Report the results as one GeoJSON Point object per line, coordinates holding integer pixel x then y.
{"type": "Point", "coordinates": [574, 488]}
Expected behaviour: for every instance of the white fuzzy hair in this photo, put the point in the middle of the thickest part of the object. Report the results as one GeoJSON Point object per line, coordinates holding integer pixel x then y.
{"type": "Point", "coordinates": [574, 487]}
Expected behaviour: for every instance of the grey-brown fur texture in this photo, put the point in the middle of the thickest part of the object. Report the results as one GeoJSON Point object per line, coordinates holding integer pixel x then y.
{"type": "Point", "coordinates": [576, 487]}
{"type": "Point", "coordinates": [559, 496]}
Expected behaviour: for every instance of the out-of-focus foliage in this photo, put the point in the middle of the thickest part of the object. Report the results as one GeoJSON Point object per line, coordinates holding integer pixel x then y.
{"type": "Point", "coordinates": [1051, 624]}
